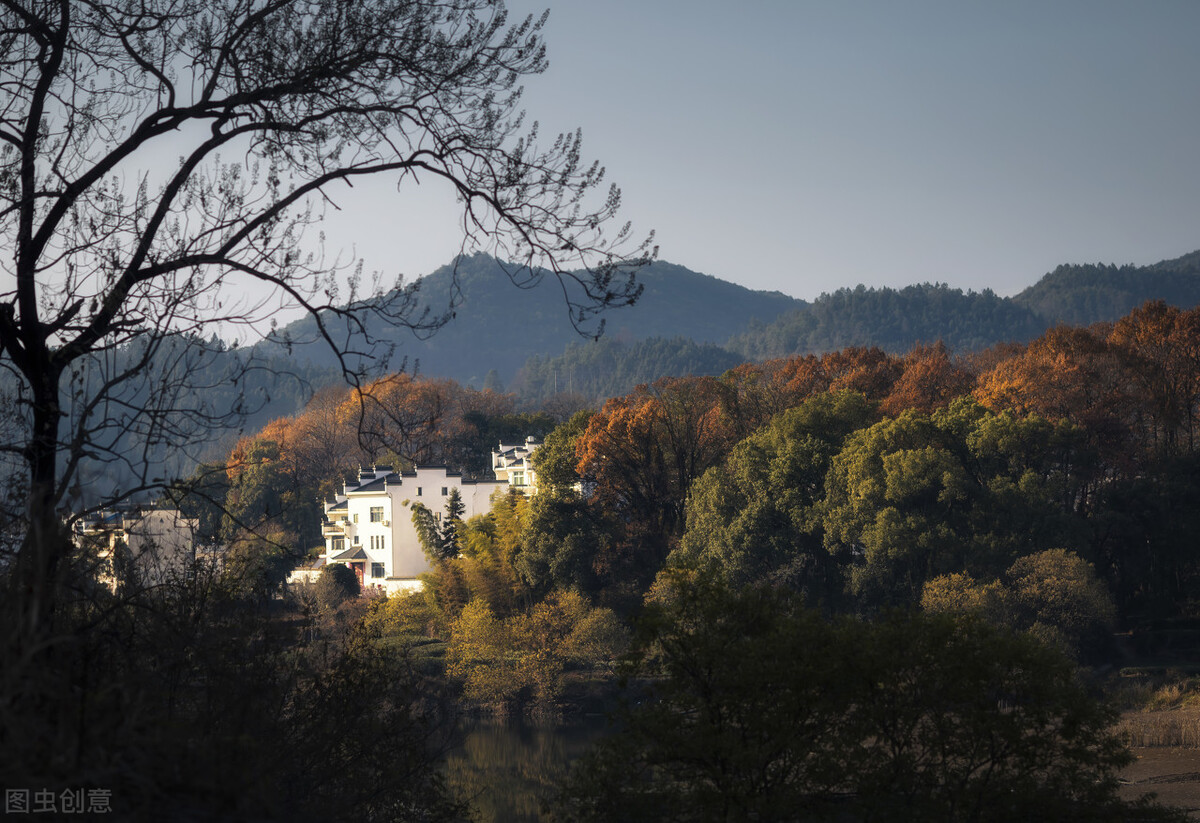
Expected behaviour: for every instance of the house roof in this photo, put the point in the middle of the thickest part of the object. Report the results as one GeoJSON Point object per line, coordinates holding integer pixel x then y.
{"type": "Point", "coordinates": [376, 485]}
{"type": "Point", "coordinates": [350, 554]}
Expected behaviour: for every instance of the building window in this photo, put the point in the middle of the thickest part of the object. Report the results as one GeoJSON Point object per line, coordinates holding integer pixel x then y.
{"type": "Point", "coordinates": [377, 514]}
{"type": "Point", "coordinates": [339, 544]}
{"type": "Point", "coordinates": [356, 517]}
{"type": "Point", "coordinates": [518, 478]}
{"type": "Point", "coordinates": [418, 491]}
{"type": "Point", "coordinates": [376, 570]}
{"type": "Point", "coordinates": [356, 539]}
{"type": "Point", "coordinates": [445, 491]}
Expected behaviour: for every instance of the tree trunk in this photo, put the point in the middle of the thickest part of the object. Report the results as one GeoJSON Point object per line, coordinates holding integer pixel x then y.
{"type": "Point", "coordinates": [46, 540]}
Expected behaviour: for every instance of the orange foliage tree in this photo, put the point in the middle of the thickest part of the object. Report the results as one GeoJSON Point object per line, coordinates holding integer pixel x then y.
{"type": "Point", "coordinates": [1161, 343]}
{"type": "Point", "coordinates": [398, 413]}
{"type": "Point", "coordinates": [928, 380]}
{"type": "Point", "coordinates": [757, 392]}
{"type": "Point", "coordinates": [642, 452]}
{"type": "Point", "coordinates": [1072, 374]}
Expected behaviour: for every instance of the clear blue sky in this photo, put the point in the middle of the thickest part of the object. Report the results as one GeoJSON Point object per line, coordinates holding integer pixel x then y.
{"type": "Point", "coordinates": [804, 146]}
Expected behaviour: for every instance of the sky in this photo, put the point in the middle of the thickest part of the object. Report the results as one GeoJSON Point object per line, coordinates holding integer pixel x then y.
{"type": "Point", "coordinates": [805, 146]}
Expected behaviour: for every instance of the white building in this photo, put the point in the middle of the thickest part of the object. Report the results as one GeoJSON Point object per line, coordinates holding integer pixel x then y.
{"type": "Point", "coordinates": [512, 463]}
{"type": "Point", "coordinates": [369, 525]}
{"type": "Point", "coordinates": [160, 544]}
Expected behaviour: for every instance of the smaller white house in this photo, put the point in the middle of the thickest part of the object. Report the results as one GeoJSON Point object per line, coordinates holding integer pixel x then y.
{"type": "Point", "coordinates": [513, 464]}
{"type": "Point", "coordinates": [369, 526]}
{"type": "Point", "coordinates": [159, 544]}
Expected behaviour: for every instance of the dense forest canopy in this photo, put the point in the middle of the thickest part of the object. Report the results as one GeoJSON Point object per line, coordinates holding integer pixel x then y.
{"type": "Point", "coordinates": [840, 525]}
{"type": "Point", "coordinates": [858, 476]}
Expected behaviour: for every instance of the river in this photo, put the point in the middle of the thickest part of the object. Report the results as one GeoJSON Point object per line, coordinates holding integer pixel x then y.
{"type": "Point", "coordinates": [507, 767]}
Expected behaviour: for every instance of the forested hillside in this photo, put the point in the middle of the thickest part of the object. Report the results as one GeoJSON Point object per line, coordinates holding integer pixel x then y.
{"type": "Point", "coordinates": [497, 327]}
{"type": "Point", "coordinates": [1080, 295]}
{"type": "Point", "coordinates": [894, 320]}
{"type": "Point", "coordinates": [597, 370]}
{"type": "Point", "coordinates": [500, 330]}
{"type": "Point", "coordinates": [897, 320]}
{"type": "Point", "coordinates": [857, 477]}
{"type": "Point", "coordinates": [504, 337]}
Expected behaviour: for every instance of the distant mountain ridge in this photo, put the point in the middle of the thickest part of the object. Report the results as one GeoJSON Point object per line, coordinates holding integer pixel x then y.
{"type": "Point", "coordinates": [898, 319]}
{"type": "Point", "coordinates": [696, 321]}
{"type": "Point", "coordinates": [1082, 295]}
{"type": "Point", "coordinates": [498, 327]}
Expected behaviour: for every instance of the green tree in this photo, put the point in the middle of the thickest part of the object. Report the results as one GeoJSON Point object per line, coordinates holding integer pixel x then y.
{"type": "Point", "coordinates": [336, 584]}
{"type": "Point", "coordinates": [452, 524]}
{"type": "Point", "coordinates": [1053, 595]}
{"type": "Point", "coordinates": [568, 544]}
{"type": "Point", "coordinates": [556, 462]}
{"type": "Point", "coordinates": [441, 540]}
{"type": "Point", "coordinates": [1059, 597]}
{"type": "Point", "coordinates": [522, 659]}
{"type": "Point", "coordinates": [963, 489]}
{"type": "Point", "coordinates": [757, 515]}
{"type": "Point", "coordinates": [756, 708]}
{"type": "Point", "coordinates": [565, 542]}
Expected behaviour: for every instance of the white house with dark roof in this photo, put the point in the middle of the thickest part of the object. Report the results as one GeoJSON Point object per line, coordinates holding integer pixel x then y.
{"type": "Point", "coordinates": [512, 463]}
{"type": "Point", "coordinates": [369, 527]}
{"type": "Point", "coordinates": [159, 543]}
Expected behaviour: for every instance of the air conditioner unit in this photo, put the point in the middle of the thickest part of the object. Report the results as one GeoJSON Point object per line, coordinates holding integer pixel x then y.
{"type": "Point", "coordinates": [387, 524]}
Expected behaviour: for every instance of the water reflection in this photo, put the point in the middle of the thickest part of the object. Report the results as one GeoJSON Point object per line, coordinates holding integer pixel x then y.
{"type": "Point", "coordinates": [505, 767]}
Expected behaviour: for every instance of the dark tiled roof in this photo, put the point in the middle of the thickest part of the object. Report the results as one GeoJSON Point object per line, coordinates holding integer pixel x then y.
{"type": "Point", "coordinates": [376, 485]}
{"type": "Point", "coordinates": [350, 554]}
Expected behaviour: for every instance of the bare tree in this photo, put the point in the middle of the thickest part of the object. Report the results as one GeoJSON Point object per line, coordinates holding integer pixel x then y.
{"type": "Point", "coordinates": [118, 263]}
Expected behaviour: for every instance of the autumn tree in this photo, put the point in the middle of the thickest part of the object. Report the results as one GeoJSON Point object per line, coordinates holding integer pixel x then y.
{"type": "Point", "coordinates": [757, 392]}
{"type": "Point", "coordinates": [1069, 374]}
{"type": "Point", "coordinates": [929, 379]}
{"type": "Point", "coordinates": [1162, 345]}
{"type": "Point", "coordinates": [643, 450]}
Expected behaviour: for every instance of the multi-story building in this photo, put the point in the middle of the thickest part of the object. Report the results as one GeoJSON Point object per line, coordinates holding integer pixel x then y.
{"type": "Point", "coordinates": [512, 463]}
{"type": "Point", "coordinates": [369, 526]}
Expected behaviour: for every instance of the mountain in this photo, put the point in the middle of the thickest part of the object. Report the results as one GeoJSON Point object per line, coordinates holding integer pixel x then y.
{"type": "Point", "coordinates": [898, 319]}
{"type": "Point", "coordinates": [893, 319]}
{"type": "Point", "coordinates": [599, 369]}
{"type": "Point", "coordinates": [1082, 295]}
{"type": "Point", "coordinates": [497, 326]}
